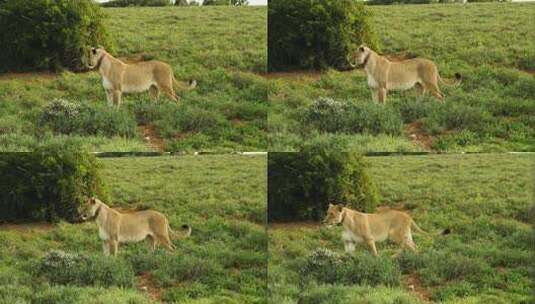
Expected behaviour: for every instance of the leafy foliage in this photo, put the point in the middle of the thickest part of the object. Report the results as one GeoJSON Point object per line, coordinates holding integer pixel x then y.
{"type": "Point", "coordinates": [301, 185]}
{"type": "Point", "coordinates": [316, 34]}
{"type": "Point", "coordinates": [41, 34]}
{"type": "Point", "coordinates": [47, 185]}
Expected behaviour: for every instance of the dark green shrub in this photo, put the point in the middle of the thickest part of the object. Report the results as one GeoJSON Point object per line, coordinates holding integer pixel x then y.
{"type": "Point", "coordinates": [124, 3]}
{"type": "Point", "coordinates": [332, 116]}
{"type": "Point", "coordinates": [63, 268]}
{"type": "Point", "coordinates": [327, 267]}
{"type": "Point", "coordinates": [316, 34]}
{"type": "Point", "coordinates": [70, 118]}
{"type": "Point", "coordinates": [301, 185]}
{"type": "Point", "coordinates": [42, 34]}
{"type": "Point", "coordinates": [48, 184]}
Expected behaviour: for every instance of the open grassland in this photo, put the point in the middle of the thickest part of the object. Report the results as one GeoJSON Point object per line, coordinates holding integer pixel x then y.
{"type": "Point", "coordinates": [224, 261]}
{"type": "Point", "coordinates": [221, 47]}
{"type": "Point", "coordinates": [484, 200]}
{"type": "Point", "coordinates": [492, 45]}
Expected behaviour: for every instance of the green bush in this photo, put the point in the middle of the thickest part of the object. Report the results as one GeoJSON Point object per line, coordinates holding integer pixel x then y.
{"type": "Point", "coordinates": [48, 184]}
{"type": "Point", "coordinates": [301, 185]}
{"type": "Point", "coordinates": [63, 268]}
{"type": "Point", "coordinates": [43, 34]}
{"type": "Point", "coordinates": [328, 115]}
{"type": "Point", "coordinates": [316, 34]}
{"type": "Point", "coordinates": [69, 118]}
{"type": "Point", "coordinates": [327, 267]}
{"type": "Point", "coordinates": [124, 3]}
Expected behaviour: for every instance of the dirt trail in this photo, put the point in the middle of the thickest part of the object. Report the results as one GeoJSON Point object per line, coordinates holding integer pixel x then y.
{"type": "Point", "coordinates": [146, 283]}
{"type": "Point", "coordinates": [27, 228]}
{"type": "Point", "coordinates": [152, 138]}
{"type": "Point", "coordinates": [29, 76]}
{"type": "Point", "coordinates": [412, 283]}
{"type": "Point", "coordinates": [415, 132]}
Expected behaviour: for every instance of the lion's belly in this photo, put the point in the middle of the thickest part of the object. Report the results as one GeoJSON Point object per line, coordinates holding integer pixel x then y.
{"type": "Point", "coordinates": [401, 86]}
{"type": "Point", "coordinates": [133, 230]}
{"type": "Point", "coordinates": [133, 237]}
{"type": "Point", "coordinates": [137, 87]}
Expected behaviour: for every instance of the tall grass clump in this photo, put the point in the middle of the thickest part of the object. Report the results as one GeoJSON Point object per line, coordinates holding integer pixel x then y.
{"type": "Point", "coordinates": [58, 267]}
{"type": "Point", "coordinates": [42, 34]}
{"type": "Point", "coordinates": [306, 34]}
{"type": "Point", "coordinates": [301, 185]}
{"type": "Point", "coordinates": [324, 266]}
{"type": "Point", "coordinates": [332, 116]}
{"type": "Point", "coordinates": [48, 184]}
{"type": "Point", "coordinates": [64, 117]}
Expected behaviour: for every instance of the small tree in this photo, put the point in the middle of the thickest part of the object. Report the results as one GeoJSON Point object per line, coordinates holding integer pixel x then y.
{"type": "Point", "coordinates": [307, 34]}
{"type": "Point", "coordinates": [301, 185]}
{"type": "Point", "coordinates": [43, 34]}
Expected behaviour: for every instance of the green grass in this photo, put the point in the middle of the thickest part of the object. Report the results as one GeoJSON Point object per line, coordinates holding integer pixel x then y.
{"type": "Point", "coordinates": [490, 44]}
{"type": "Point", "coordinates": [223, 48]}
{"type": "Point", "coordinates": [224, 261]}
{"type": "Point", "coordinates": [484, 199]}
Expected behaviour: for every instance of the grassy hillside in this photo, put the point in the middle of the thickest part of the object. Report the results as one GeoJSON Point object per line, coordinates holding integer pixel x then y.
{"type": "Point", "coordinates": [220, 47]}
{"type": "Point", "coordinates": [490, 44]}
{"type": "Point", "coordinates": [483, 199]}
{"type": "Point", "coordinates": [224, 260]}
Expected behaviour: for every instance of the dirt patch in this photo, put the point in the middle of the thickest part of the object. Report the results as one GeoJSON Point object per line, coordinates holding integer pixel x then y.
{"type": "Point", "coordinates": [295, 225]}
{"type": "Point", "coordinates": [27, 228]}
{"type": "Point", "coordinates": [414, 285]}
{"type": "Point", "coordinates": [145, 283]}
{"type": "Point", "coordinates": [152, 138]}
{"type": "Point", "coordinates": [415, 132]}
{"type": "Point", "coordinates": [310, 75]}
{"type": "Point", "coordinates": [29, 76]}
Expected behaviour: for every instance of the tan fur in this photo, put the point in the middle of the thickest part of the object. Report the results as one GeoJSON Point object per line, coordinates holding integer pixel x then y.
{"type": "Point", "coordinates": [115, 227]}
{"type": "Point", "coordinates": [385, 75]}
{"type": "Point", "coordinates": [370, 228]}
{"type": "Point", "coordinates": [119, 77]}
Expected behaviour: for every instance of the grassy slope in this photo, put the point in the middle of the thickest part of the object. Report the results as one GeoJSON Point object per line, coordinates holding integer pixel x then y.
{"type": "Point", "coordinates": [491, 45]}
{"type": "Point", "coordinates": [484, 199]}
{"type": "Point", "coordinates": [222, 197]}
{"type": "Point", "coordinates": [222, 48]}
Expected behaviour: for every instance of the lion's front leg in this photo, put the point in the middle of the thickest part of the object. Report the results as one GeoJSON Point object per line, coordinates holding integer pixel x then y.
{"type": "Point", "coordinates": [375, 94]}
{"type": "Point", "coordinates": [109, 97]}
{"type": "Point", "coordinates": [382, 95]}
{"type": "Point", "coordinates": [106, 248]}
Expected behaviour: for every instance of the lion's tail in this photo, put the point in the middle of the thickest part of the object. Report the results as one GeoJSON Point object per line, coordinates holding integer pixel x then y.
{"type": "Point", "coordinates": [192, 84]}
{"type": "Point", "coordinates": [185, 233]}
{"type": "Point", "coordinates": [451, 83]}
{"type": "Point", "coordinates": [419, 230]}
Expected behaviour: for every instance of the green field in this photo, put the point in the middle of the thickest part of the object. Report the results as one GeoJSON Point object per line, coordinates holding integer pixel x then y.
{"type": "Point", "coordinates": [224, 260]}
{"type": "Point", "coordinates": [492, 45]}
{"type": "Point", "coordinates": [484, 200]}
{"type": "Point", "coordinates": [223, 48]}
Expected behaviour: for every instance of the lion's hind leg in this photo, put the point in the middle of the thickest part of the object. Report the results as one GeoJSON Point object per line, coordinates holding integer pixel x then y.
{"type": "Point", "coordinates": [152, 242]}
{"type": "Point", "coordinates": [154, 92]}
{"type": "Point", "coordinates": [434, 90]}
{"type": "Point", "coordinates": [169, 92]}
{"type": "Point", "coordinates": [166, 242]}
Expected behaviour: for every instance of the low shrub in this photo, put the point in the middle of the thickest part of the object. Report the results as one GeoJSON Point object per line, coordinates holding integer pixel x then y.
{"type": "Point", "coordinates": [42, 34]}
{"type": "Point", "coordinates": [329, 115]}
{"type": "Point", "coordinates": [327, 267]}
{"type": "Point", "coordinates": [48, 184]}
{"type": "Point", "coordinates": [64, 117]}
{"type": "Point", "coordinates": [301, 185]}
{"type": "Point", "coordinates": [63, 268]}
{"type": "Point", "coordinates": [316, 34]}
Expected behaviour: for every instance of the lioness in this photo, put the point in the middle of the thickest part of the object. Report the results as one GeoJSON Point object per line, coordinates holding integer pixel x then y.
{"type": "Point", "coordinates": [119, 77]}
{"type": "Point", "coordinates": [115, 227]}
{"type": "Point", "coordinates": [373, 227]}
{"type": "Point", "coordinates": [384, 75]}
